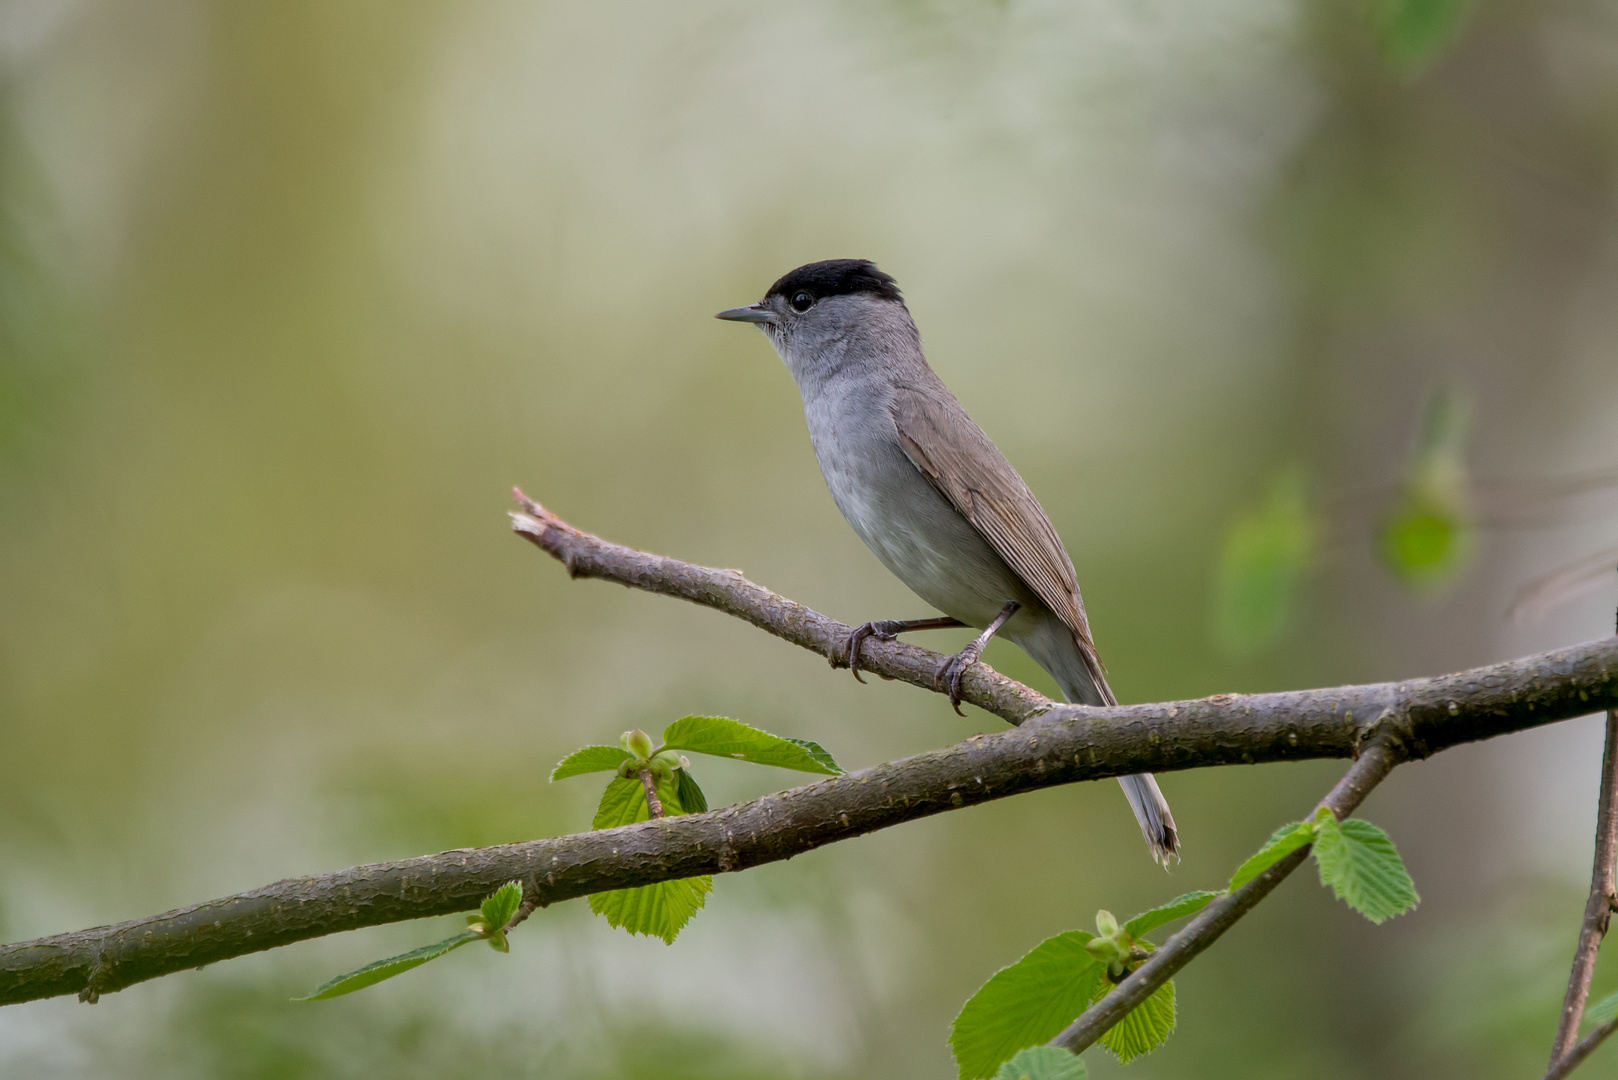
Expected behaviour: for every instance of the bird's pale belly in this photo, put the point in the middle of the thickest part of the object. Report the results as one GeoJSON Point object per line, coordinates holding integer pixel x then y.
{"type": "Point", "coordinates": [925, 542]}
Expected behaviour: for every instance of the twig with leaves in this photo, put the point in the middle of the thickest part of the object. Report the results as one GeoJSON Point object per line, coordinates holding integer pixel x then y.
{"type": "Point", "coordinates": [1379, 894]}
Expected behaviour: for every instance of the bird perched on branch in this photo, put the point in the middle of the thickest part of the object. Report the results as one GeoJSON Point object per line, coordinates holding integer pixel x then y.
{"type": "Point", "coordinates": [928, 492]}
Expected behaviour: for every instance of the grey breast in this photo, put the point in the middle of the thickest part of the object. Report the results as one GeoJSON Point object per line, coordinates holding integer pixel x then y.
{"type": "Point", "coordinates": [902, 518]}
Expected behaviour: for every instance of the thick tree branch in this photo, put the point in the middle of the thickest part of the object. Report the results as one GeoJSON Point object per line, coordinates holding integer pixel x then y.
{"type": "Point", "coordinates": [1418, 717]}
{"type": "Point", "coordinates": [1369, 770]}
{"type": "Point", "coordinates": [1603, 899]}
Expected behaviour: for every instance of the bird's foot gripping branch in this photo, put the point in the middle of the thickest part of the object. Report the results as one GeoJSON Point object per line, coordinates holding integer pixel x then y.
{"type": "Point", "coordinates": [636, 848]}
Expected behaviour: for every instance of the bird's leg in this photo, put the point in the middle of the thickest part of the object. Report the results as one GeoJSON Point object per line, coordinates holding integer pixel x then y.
{"type": "Point", "coordinates": [887, 630]}
{"type": "Point", "coordinates": [949, 672]}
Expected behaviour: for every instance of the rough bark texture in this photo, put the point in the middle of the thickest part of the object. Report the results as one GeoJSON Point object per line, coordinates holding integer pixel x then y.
{"type": "Point", "coordinates": [1071, 744]}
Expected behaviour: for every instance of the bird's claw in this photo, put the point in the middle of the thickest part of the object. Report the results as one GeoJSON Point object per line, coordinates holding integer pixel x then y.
{"type": "Point", "coordinates": [948, 677]}
{"type": "Point", "coordinates": [879, 630]}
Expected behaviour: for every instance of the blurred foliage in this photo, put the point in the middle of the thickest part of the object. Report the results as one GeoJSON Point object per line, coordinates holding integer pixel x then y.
{"type": "Point", "coordinates": [243, 1031]}
{"type": "Point", "coordinates": [35, 321]}
{"type": "Point", "coordinates": [1427, 536]}
{"type": "Point", "coordinates": [1266, 555]}
{"type": "Point", "coordinates": [1492, 986]}
{"type": "Point", "coordinates": [1413, 33]}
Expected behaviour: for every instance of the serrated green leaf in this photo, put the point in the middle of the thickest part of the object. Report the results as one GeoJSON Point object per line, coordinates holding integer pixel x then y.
{"type": "Point", "coordinates": [723, 737]}
{"type": "Point", "coordinates": [1283, 842]}
{"type": "Point", "coordinates": [1262, 565]}
{"type": "Point", "coordinates": [662, 908]}
{"type": "Point", "coordinates": [658, 910]}
{"type": "Point", "coordinates": [371, 974]}
{"type": "Point", "coordinates": [819, 753]}
{"type": "Point", "coordinates": [590, 759]}
{"type": "Point", "coordinates": [1361, 865]}
{"type": "Point", "coordinates": [692, 800]}
{"type": "Point", "coordinates": [1413, 32]}
{"type": "Point", "coordinates": [1188, 904]}
{"type": "Point", "coordinates": [624, 802]}
{"type": "Point", "coordinates": [501, 905]}
{"type": "Point", "coordinates": [1025, 1004]}
{"type": "Point", "coordinates": [1603, 1011]}
{"type": "Point", "coordinates": [1043, 1063]}
{"type": "Point", "coordinates": [1145, 1027]}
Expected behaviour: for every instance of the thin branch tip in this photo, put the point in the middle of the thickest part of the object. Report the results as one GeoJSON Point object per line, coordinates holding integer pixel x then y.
{"type": "Point", "coordinates": [1598, 909]}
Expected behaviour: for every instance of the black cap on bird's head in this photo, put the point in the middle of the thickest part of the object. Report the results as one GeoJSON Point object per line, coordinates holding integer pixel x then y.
{"type": "Point", "coordinates": [836, 277]}
{"type": "Point", "coordinates": [799, 290]}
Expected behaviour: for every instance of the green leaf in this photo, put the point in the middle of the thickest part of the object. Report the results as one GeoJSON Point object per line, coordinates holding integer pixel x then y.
{"type": "Point", "coordinates": [1043, 1063]}
{"type": "Point", "coordinates": [624, 802]}
{"type": "Point", "coordinates": [1283, 842]}
{"type": "Point", "coordinates": [1266, 555]}
{"type": "Point", "coordinates": [660, 909]}
{"type": "Point", "coordinates": [731, 738]}
{"type": "Point", "coordinates": [692, 800]}
{"type": "Point", "coordinates": [371, 974]}
{"type": "Point", "coordinates": [1602, 1012]}
{"type": "Point", "coordinates": [590, 759]}
{"type": "Point", "coordinates": [820, 754]}
{"type": "Point", "coordinates": [499, 907]}
{"type": "Point", "coordinates": [1178, 908]}
{"type": "Point", "coordinates": [1146, 1026]}
{"type": "Point", "coordinates": [1413, 32]}
{"type": "Point", "coordinates": [1363, 868]}
{"type": "Point", "coordinates": [1026, 1004]}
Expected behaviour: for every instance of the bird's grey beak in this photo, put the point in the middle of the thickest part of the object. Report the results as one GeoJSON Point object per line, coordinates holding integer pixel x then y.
{"type": "Point", "coordinates": [751, 313]}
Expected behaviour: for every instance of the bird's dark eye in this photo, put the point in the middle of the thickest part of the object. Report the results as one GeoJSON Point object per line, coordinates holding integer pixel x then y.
{"type": "Point", "coordinates": [802, 301]}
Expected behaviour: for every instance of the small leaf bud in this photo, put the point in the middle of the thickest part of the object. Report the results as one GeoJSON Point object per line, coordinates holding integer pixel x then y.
{"type": "Point", "coordinates": [1106, 925]}
{"type": "Point", "coordinates": [1105, 950]}
{"type": "Point", "coordinates": [637, 742]}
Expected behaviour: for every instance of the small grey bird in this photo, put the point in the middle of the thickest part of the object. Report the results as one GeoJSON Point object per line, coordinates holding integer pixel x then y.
{"type": "Point", "coordinates": [930, 494]}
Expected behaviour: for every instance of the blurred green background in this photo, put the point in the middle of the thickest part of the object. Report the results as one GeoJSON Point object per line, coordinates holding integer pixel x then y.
{"type": "Point", "coordinates": [291, 293]}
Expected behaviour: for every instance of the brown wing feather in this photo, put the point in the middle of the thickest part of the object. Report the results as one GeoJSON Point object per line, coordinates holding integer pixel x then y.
{"type": "Point", "coordinates": [969, 470]}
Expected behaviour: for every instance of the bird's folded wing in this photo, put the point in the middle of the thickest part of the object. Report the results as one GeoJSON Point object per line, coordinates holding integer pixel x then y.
{"type": "Point", "coordinates": [959, 460]}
